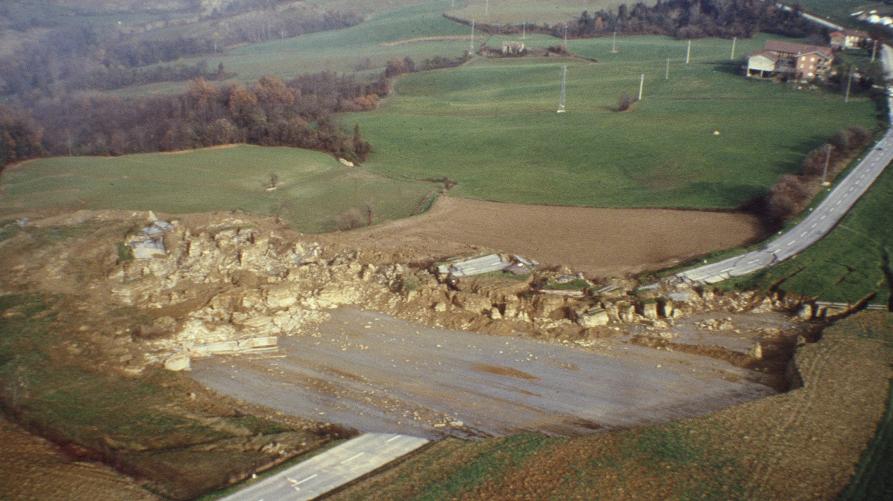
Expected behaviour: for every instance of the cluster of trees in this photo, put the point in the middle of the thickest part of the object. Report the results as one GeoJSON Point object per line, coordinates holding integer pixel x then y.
{"type": "Point", "coordinates": [270, 112]}
{"type": "Point", "coordinates": [21, 137]}
{"type": "Point", "coordinates": [398, 66]}
{"type": "Point", "coordinates": [793, 192]}
{"type": "Point", "coordinates": [693, 19]}
{"type": "Point", "coordinates": [680, 19]}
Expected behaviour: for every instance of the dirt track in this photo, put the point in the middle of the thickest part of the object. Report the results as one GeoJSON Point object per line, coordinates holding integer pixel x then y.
{"type": "Point", "coordinates": [595, 241]}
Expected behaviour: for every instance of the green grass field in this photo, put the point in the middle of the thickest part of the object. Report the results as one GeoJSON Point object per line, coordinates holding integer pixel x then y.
{"type": "Point", "coordinates": [491, 125]}
{"type": "Point", "coordinates": [533, 11]}
{"type": "Point", "coordinates": [314, 189]}
{"type": "Point", "coordinates": [846, 265]}
{"type": "Point", "coordinates": [366, 48]}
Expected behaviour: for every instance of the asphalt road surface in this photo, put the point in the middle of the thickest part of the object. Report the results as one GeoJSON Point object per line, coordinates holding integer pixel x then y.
{"type": "Point", "coordinates": [331, 469]}
{"type": "Point", "coordinates": [819, 222]}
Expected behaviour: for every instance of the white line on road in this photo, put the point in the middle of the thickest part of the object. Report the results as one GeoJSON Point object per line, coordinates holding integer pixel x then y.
{"type": "Point", "coordinates": [311, 477]}
{"type": "Point", "coordinates": [352, 457]}
{"type": "Point", "coordinates": [395, 437]}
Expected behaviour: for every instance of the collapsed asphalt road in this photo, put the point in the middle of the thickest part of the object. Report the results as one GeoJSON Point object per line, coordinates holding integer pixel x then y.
{"type": "Point", "coordinates": [375, 373]}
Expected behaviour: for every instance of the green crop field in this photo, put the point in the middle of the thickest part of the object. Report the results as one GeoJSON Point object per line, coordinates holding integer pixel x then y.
{"type": "Point", "coordinates": [849, 263]}
{"type": "Point", "coordinates": [365, 48]}
{"type": "Point", "coordinates": [492, 126]}
{"type": "Point", "coordinates": [533, 11]}
{"type": "Point", "coordinates": [314, 190]}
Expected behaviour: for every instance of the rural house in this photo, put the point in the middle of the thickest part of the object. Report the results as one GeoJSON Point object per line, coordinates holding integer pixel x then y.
{"type": "Point", "coordinates": [790, 60]}
{"type": "Point", "coordinates": [848, 39]}
{"type": "Point", "coordinates": [513, 48]}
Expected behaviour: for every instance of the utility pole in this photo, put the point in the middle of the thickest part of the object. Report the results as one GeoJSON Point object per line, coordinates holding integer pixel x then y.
{"type": "Point", "coordinates": [734, 43]}
{"type": "Point", "coordinates": [827, 162]}
{"type": "Point", "coordinates": [471, 48]}
{"type": "Point", "coordinates": [874, 52]}
{"type": "Point", "coordinates": [688, 53]}
{"type": "Point", "coordinates": [641, 86]}
{"type": "Point", "coordinates": [487, 10]}
{"type": "Point", "coordinates": [614, 43]}
{"type": "Point", "coordinates": [565, 37]}
{"type": "Point", "coordinates": [667, 76]}
{"type": "Point", "coordinates": [524, 31]}
{"type": "Point", "coordinates": [563, 98]}
{"type": "Point", "coordinates": [849, 86]}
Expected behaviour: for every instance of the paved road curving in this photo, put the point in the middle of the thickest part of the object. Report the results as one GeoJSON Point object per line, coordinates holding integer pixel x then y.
{"type": "Point", "coordinates": [820, 221]}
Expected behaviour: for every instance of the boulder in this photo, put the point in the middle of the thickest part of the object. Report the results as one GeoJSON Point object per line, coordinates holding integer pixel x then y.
{"type": "Point", "coordinates": [280, 296]}
{"type": "Point", "coordinates": [596, 317]}
{"type": "Point", "coordinates": [472, 302]}
{"type": "Point", "coordinates": [650, 311]}
{"type": "Point", "coordinates": [177, 362]}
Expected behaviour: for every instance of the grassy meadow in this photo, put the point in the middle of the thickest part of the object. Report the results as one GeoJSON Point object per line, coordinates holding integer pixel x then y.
{"type": "Point", "coordinates": [491, 126]}
{"type": "Point", "coordinates": [314, 191]}
{"type": "Point", "coordinates": [365, 48]}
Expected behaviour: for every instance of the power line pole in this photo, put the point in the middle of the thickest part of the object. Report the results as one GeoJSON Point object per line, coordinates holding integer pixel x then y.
{"type": "Point", "coordinates": [874, 52]}
{"type": "Point", "coordinates": [614, 43]}
{"type": "Point", "coordinates": [667, 76]}
{"type": "Point", "coordinates": [487, 9]}
{"type": "Point", "coordinates": [524, 31]}
{"type": "Point", "coordinates": [471, 47]}
{"type": "Point", "coordinates": [641, 86]}
{"type": "Point", "coordinates": [734, 42]}
{"type": "Point", "coordinates": [565, 37]}
{"type": "Point", "coordinates": [563, 98]}
{"type": "Point", "coordinates": [849, 86]}
{"type": "Point", "coordinates": [827, 162]}
{"type": "Point", "coordinates": [688, 53]}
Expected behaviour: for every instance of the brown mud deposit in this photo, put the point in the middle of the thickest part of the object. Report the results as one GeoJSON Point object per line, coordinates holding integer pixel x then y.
{"type": "Point", "coordinates": [595, 241]}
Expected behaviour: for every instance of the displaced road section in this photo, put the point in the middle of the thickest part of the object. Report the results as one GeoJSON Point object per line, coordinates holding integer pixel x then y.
{"type": "Point", "coordinates": [376, 373]}
{"type": "Point", "coordinates": [819, 222]}
{"type": "Point", "coordinates": [331, 469]}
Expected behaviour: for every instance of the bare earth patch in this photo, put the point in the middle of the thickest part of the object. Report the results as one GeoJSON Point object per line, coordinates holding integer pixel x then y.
{"type": "Point", "coordinates": [595, 241]}
{"type": "Point", "coordinates": [34, 468]}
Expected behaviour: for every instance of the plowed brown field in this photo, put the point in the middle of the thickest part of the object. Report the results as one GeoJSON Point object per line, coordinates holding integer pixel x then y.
{"type": "Point", "coordinates": [595, 241]}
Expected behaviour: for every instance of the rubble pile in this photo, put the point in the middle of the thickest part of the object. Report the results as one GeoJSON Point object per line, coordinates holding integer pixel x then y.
{"type": "Point", "coordinates": [231, 284]}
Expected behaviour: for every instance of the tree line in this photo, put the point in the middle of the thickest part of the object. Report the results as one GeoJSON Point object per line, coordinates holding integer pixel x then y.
{"type": "Point", "coordinates": [270, 112]}
{"type": "Point", "coordinates": [684, 19]}
{"type": "Point", "coordinates": [794, 192]}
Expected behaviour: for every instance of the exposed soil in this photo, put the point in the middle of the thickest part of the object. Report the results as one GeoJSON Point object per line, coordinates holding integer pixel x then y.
{"type": "Point", "coordinates": [34, 468]}
{"type": "Point", "coordinates": [379, 374]}
{"type": "Point", "coordinates": [594, 241]}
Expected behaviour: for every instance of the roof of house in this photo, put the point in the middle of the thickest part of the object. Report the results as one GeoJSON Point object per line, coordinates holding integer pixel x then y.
{"type": "Point", "coordinates": [796, 48]}
{"type": "Point", "coordinates": [851, 33]}
{"type": "Point", "coordinates": [768, 54]}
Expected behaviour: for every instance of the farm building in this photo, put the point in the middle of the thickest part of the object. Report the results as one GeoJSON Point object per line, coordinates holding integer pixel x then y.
{"type": "Point", "coordinates": [513, 48]}
{"type": "Point", "coordinates": [848, 39]}
{"type": "Point", "coordinates": [793, 60]}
